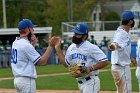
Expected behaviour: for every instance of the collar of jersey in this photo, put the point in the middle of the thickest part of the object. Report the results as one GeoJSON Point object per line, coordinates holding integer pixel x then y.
{"type": "Point", "coordinates": [80, 44]}
{"type": "Point", "coordinates": [18, 38]}
{"type": "Point", "coordinates": [123, 29]}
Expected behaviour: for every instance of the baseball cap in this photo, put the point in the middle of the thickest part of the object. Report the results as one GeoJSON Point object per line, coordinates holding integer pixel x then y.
{"type": "Point", "coordinates": [80, 28]}
{"type": "Point", "coordinates": [127, 15]}
{"type": "Point", "coordinates": [25, 23]}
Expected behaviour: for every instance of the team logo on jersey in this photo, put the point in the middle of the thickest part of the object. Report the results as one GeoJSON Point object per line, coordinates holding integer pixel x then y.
{"type": "Point", "coordinates": [79, 56]}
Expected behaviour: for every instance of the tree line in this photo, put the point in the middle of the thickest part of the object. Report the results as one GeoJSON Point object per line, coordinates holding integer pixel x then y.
{"type": "Point", "coordinates": [48, 12]}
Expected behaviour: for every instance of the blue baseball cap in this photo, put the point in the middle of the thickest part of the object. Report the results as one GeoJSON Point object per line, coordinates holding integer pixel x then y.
{"type": "Point", "coordinates": [80, 28]}
{"type": "Point", "coordinates": [25, 23]}
{"type": "Point", "coordinates": [127, 15]}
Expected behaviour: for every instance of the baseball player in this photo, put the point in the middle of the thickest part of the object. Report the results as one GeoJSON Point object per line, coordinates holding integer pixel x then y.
{"type": "Point", "coordinates": [120, 57]}
{"type": "Point", "coordinates": [24, 57]}
{"type": "Point", "coordinates": [138, 63]}
{"type": "Point", "coordinates": [86, 54]}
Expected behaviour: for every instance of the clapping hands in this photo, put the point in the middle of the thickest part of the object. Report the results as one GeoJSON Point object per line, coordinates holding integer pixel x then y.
{"type": "Point", "coordinates": [55, 42]}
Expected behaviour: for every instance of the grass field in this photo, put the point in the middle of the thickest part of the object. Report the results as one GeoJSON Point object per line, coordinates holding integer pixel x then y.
{"type": "Point", "coordinates": [63, 82]}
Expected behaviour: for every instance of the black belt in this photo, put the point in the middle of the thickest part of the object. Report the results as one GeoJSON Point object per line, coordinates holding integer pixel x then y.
{"type": "Point", "coordinates": [118, 64]}
{"type": "Point", "coordinates": [87, 78]}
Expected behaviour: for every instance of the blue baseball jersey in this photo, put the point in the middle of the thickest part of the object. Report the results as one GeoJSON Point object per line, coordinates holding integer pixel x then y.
{"type": "Point", "coordinates": [23, 58]}
{"type": "Point", "coordinates": [86, 54]}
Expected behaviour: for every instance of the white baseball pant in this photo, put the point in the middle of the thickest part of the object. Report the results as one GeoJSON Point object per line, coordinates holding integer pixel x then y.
{"type": "Point", "coordinates": [25, 85]}
{"type": "Point", "coordinates": [90, 86]}
{"type": "Point", "coordinates": [122, 78]}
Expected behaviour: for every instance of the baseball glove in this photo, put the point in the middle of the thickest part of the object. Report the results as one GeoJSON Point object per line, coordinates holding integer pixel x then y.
{"type": "Point", "coordinates": [77, 70]}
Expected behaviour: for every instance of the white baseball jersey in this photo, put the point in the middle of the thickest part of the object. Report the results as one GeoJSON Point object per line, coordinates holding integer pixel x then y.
{"type": "Point", "coordinates": [24, 56]}
{"type": "Point", "coordinates": [86, 54]}
{"type": "Point", "coordinates": [138, 62]}
{"type": "Point", "coordinates": [121, 55]}
{"type": "Point", "coordinates": [138, 53]}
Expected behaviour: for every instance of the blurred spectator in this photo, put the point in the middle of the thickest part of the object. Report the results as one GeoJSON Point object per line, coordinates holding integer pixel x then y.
{"type": "Point", "coordinates": [65, 44]}
{"type": "Point", "coordinates": [41, 46]}
{"type": "Point", "coordinates": [8, 54]}
{"type": "Point", "coordinates": [93, 41]}
{"type": "Point", "coordinates": [104, 45]}
{"type": "Point", "coordinates": [1, 54]}
{"type": "Point", "coordinates": [44, 44]}
{"type": "Point", "coordinates": [56, 58]}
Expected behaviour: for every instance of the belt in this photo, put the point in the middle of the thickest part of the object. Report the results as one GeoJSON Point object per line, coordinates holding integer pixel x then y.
{"type": "Point", "coordinates": [85, 79]}
{"type": "Point", "coordinates": [118, 64]}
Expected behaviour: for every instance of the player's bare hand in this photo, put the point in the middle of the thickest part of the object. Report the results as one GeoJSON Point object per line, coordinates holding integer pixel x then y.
{"type": "Point", "coordinates": [57, 42]}
{"type": "Point", "coordinates": [111, 47]}
{"type": "Point", "coordinates": [54, 41]}
{"type": "Point", "coordinates": [51, 43]}
{"type": "Point", "coordinates": [133, 61]}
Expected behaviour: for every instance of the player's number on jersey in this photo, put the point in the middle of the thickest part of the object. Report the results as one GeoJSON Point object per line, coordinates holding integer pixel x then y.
{"type": "Point", "coordinates": [83, 64]}
{"type": "Point", "coordinates": [14, 56]}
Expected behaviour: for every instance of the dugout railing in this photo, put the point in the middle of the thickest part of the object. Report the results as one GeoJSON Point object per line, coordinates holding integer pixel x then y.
{"type": "Point", "coordinates": [5, 57]}
{"type": "Point", "coordinates": [99, 29]}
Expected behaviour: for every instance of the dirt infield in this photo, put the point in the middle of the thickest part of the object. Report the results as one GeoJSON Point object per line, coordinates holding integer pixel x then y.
{"type": "Point", "coordinates": [52, 91]}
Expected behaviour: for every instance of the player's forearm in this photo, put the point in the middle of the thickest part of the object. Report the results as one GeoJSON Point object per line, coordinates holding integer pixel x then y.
{"type": "Point", "coordinates": [100, 65]}
{"type": "Point", "coordinates": [45, 56]}
{"type": "Point", "coordinates": [112, 46]}
{"type": "Point", "coordinates": [61, 57]}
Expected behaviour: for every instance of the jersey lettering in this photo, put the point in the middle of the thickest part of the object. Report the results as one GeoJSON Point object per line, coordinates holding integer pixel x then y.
{"type": "Point", "coordinates": [14, 56]}
{"type": "Point", "coordinates": [79, 56]}
{"type": "Point", "coordinates": [128, 43]}
{"type": "Point", "coordinates": [83, 64]}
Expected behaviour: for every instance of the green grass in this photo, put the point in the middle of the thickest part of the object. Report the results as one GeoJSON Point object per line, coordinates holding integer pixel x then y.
{"type": "Point", "coordinates": [48, 69]}
{"type": "Point", "coordinates": [57, 82]}
{"type": "Point", "coordinates": [66, 82]}
{"type": "Point", "coordinates": [53, 82]}
{"type": "Point", "coordinates": [6, 72]}
{"type": "Point", "coordinates": [134, 81]}
{"type": "Point", "coordinates": [7, 84]}
{"type": "Point", "coordinates": [106, 81]}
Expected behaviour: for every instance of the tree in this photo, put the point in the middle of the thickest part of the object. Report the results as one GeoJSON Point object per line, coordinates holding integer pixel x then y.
{"type": "Point", "coordinates": [56, 14]}
{"type": "Point", "coordinates": [82, 9]}
{"type": "Point", "coordinates": [111, 16]}
{"type": "Point", "coordinates": [18, 9]}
